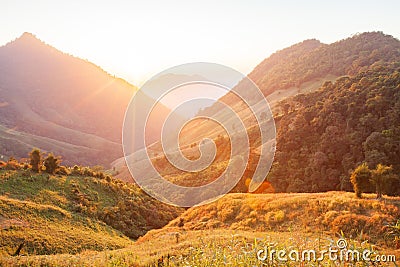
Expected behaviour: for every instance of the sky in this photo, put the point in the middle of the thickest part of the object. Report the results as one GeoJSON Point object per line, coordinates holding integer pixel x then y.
{"type": "Point", "coordinates": [135, 40]}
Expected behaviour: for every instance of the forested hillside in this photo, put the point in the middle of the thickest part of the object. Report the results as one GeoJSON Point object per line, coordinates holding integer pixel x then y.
{"type": "Point", "coordinates": [323, 136]}
{"type": "Point", "coordinates": [311, 59]}
{"type": "Point", "coordinates": [326, 131]}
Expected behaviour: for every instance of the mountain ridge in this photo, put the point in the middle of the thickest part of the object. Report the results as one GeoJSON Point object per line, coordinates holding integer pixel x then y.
{"type": "Point", "coordinates": [371, 51]}
{"type": "Point", "coordinates": [47, 93]}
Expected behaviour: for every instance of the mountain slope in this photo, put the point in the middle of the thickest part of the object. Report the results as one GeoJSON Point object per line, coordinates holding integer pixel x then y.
{"type": "Point", "coordinates": [279, 212]}
{"type": "Point", "coordinates": [68, 214]}
{"type": "Point", "coordinates": [47, 229]}
{"type": "Point", "coordinates": [62, 104]}
{"type": "Point", "coordinates": [231, 231]}
{"type": "Point", "coordinates": [324, 135]}
{"type": "Point", "coordinates": [48, 94]}
{"type": "Point", "coordinates": [307, 65]}
{"type": "Point", "coordinates": [310, 59]}
{"type": "Point", "coordinates": [302, 68]}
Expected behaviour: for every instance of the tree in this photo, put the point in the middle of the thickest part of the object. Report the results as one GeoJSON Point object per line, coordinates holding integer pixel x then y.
{"type": "Point", "coordinates": [380, 176]}
{"type": "Point", "coordinates": [360, 179]}
{"type": "Point", "coordinates": [35, 159]}
{"type": "Point", "coordinates": [51, 163]}
{"type": "Point", "coordinates": [374, 149]}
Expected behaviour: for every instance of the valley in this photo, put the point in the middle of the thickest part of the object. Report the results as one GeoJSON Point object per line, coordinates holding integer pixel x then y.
{"type": "Point", "coordinates": [336, 112]}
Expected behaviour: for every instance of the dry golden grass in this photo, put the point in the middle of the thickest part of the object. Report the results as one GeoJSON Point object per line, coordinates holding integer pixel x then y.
{"type": "Point", "coordinates": [331, 212]}
{"type": "Point", "coordinates": [228, 231]}
{"type": "Point", "coordinates": [216, 247]}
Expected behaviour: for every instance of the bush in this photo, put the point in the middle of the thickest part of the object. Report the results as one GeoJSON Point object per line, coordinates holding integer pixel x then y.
{"type": "Point", "coordinates": [12, 164]}
{"type": "Point", "coordinates": [350, 224]}
{"type": "Point", "coordinates": [360, 179]}
{"type": "Point", "coordinates": [51, 163]}
{"type": "Point", "coordinates": [76, 170]}
{"type": "Point", "coordinates": [63, 170]}
{"type": "Point", "coordinates": [274, 217]}
{"type": "Point", "coordinates": [35, 159]}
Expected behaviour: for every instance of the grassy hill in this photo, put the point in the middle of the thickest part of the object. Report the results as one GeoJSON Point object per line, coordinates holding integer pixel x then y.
{"type": "Point", "coordinates": [331, 212]}
{"type": "Point", "coordinates": [48, 229]}
{"type": "Point", "coordinates": [231, 230]}
{"type": "Point", "coordinates": [68, 214]}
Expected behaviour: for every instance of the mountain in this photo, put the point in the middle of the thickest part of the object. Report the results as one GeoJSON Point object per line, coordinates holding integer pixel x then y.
{"type": "Point", "coordinates": [324, 133]}
{"type": "Point", "coordinates": [305, 67]}
{"type": "Point", "coordinates": [311, 59]}
{"type": "Point", "coordinates": [60, 103]}
{"type": "Point", "coordinates": [297, 80]}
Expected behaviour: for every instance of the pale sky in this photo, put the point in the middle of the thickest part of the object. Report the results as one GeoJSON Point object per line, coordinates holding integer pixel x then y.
{"type": "Point", "coordinates": [135, 40]}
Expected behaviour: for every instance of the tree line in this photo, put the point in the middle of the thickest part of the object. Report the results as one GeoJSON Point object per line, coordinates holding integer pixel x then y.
{"type": "Point", "coordinates": [324, 136]}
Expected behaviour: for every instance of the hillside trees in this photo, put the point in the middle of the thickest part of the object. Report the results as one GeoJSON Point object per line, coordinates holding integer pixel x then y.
{"type": "Point", "coordinates": [360, 178]}
{"type": "Point", "coordinates": [363, 179]}
{"type": "Point", "coordinates": [51, 163]}
{"type": "Point", "coordinates": [333, 130]}
{"type": "Point", "coordinates": [311, 59]}
{"type": "Point", "coordinates": [35, 158]}
{"type": "Point", "coordinates": [380, 177]}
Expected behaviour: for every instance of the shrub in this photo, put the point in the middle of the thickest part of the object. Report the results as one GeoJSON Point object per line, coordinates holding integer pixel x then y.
{"type": "Point", "coordinates": [12, 164]}
{"type": "Point", "coordinates": [350, 224]}
{"type": "Point", "coordinates": [63, 170]}
{"type": "Point", "coordinates": [2, 164]}
{"type": "Point", "coordinates": [35, 158]}
{"type": "Point", "coordinates": [51, 163]}
{"type": "Point", "coordinates": [274, 217]}
{"type": "Point", "coordinates": [86, 171]}
{"type": "Point", "coordinates": [394, 234]}
{"type": "Point", "coordinates": [76, 170]}
{"type": "Point", "coordinates": [360, 179]}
